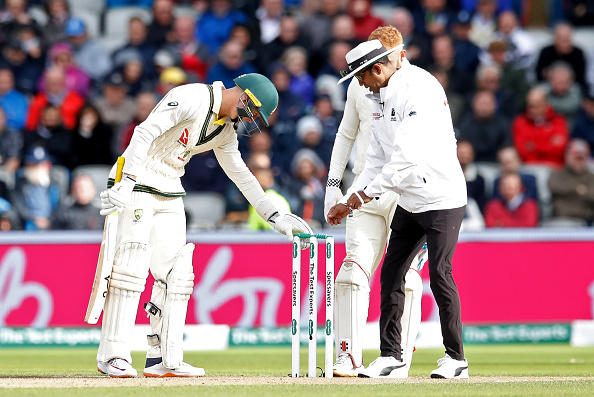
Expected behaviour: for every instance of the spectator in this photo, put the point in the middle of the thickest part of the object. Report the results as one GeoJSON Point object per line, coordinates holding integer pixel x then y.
{"type": "Point", "coordinates": [584, 124]}
{"type": "Point", "coordinates": [475, 183]}
{"type": "Point", "coordinates": [14, 15]}
{"type": "Point", "coordinates": [540, 135]}
{"type": "Point", "coordinates": [302, 83]}
{"type": "Point", "coordinates": [265, 177]}
{"type": "Point", "coordinates": [215, 25]}
{"type": "Point", "coordinates": [289, 36]}
{"type": "Point", "coordinates": [89, 55]}
{"type": "Point", "coordinates": [145, 102]}
{"type": "Point", "coordinates": [31, 42]}
{"type": "Point", "coordinates": [58, 13]}
{"type": "Point", "coordinates": [580, 12]}
{"type": "Point", "coordinates": [488, 77]}
{"type": "Point", "coordinates": [78, 212]}
{"type": "Point", "coordinates": [114, 106]}
{"type": "Point", "coordinates": [330, 119]}
{"type": "Point", "coordinates": [562, 49]}
{"type": "Point", "coordinates": [160, 29]}
{"type": "Point", "coordinates": [269, 16]}
{"type": "Point", "coordinates": [133, 73]}
{"type": "Point", "coordinates": [36, 194]}
{"type": "Point", "coordinates": [56, 94]}
{"type": "Point", "coordinates": [11, 146]}
{"type": "Point", "coordinates": [308, 171]}
{"type": "Point", "coordinates": [513, 209]}
{"type": "Point", "coordinates": [563, 94]}
{"type": "Point", "coordinates": [483, 23]}
{"type": "Point", "coordinates": [444, 58]}
{"type": "Point", "coordinates": [283, 121]}
{"type": "Point", "coordinates": [572, 187]}
{"type": "Point", "coordinates": [193, 54]}
{"type": "Point", "coordinates": [330, 73]}
{"type": "Point", "coordinates": [433, 18]}
{"type": "Point", "coordinates": [138, 43]}
{"type": "Point", "coordinates": [14, 104]}
{"type": "Point", "coordinates": [309, 133]}
{"type": "Point", "coordinates": [230, 65]}
{"type": "Point", "coordinates": [51, 135]}
{"type": "Point", "coordinates": [170, 78]}
{"type": "Point", "coordinates": [60, 55]}
{"type": "Point", "coordinates": [418, 47]}
{"type": "Point", "coordinates": [521, 48]}
{"type": "Point", "coordinates": [251, 48]}
{"type": "Point", "coordinates": [486, 129]}
{"type": "Point", "coordinates": [92, 139]}
{"type": "Point", "coordinates": [467, 52]}
{"type": "Point", "coordinates": [365, 21]}
{"type": "Point", "coordinates": [511, 79]}
{"type": "Point", "coordinates": [509, 162]}
{"type": "Point", "coordinates": [26, 71]}
{"type": "Point", "coordinates": [318, 26]}
{"type": "Point", "coordinates": [455, 101]}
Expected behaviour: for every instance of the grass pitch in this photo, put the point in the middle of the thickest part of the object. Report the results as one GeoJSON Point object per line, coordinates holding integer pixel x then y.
{"type": "Point", "coordinates": [496, 370]}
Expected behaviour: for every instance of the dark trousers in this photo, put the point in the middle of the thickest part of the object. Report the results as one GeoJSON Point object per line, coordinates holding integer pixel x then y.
{"type": "Point", "coordinates": [441, 229]}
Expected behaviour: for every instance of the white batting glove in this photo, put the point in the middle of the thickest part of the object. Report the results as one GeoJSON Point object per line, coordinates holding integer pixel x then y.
{"type": "Point", "coordinates": [289, 224]}
{"type": "Point", "coordinates": [116, 198]}
{"type": "Point", "coordinates": [333, 194]}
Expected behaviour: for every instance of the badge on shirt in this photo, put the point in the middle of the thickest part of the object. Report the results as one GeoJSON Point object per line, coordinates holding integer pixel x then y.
{"type": "Point", "coordinates": [183, 139]}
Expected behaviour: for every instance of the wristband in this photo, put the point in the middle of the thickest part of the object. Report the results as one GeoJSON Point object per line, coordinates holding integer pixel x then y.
{"type": "Point", "coordinates": [334, 182]}
{"type": "Point", "coordinates": [359, 197]}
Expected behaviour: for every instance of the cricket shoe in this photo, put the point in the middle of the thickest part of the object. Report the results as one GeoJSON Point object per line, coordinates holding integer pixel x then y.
{"type": "Point", "coordinates": [385, 367]}
{"type": "Point", "coordinates": [117, 368]}
{"type": "Point", "coordinates": [155, 369]}
{"type": "Point", "coordinates": [448, 368]}
{"type": "Point", "coordinates": [345, 366]}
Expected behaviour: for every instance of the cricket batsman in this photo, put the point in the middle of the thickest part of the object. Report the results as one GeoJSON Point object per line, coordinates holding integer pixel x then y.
{"type": "Point", "coordinates": [367, 231]}
{"type": "Point", "coordinates": [151, 229]}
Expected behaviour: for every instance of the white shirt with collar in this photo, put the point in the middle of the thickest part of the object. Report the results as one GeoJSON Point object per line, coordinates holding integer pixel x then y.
{"type": "Point", "coordinates": [412, 150]}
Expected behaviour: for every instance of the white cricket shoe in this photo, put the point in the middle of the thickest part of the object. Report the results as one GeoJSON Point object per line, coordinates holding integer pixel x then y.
{"type": "Point", "coordinates": [448, 368]}
{"type": "Point", "coordinates": [155, 369]}
{"type": "Point", "coordinates": [117, 368]}
{"type": "Point", "coordinates": [345, 366]}
{"type": "Point", "coordinates": [385, 367]}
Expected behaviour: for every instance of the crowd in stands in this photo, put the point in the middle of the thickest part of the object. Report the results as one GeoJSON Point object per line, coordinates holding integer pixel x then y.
{"type": "Point", "coordinates": [77, 76]}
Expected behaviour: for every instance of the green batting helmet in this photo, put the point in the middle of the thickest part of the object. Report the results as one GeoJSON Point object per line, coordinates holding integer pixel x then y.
{"type": "Point", "coordinates": [261, 91]}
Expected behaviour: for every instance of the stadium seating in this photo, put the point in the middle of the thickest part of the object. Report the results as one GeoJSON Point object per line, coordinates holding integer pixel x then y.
{"type": "Point", "coordinates": [205, 210]}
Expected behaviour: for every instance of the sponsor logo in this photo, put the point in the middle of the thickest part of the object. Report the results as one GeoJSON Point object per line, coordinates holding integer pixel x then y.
{"type": "Point", "coordinates": [183, 139]}
{"type": "Point", "coordinates": [174, 103]}
{"type": "Point", "coordinates": [328, 327]}
{"type": "Point", "coordinates": [137, 214]}
{"type": "Point", "coordinates": [345, 345]}
{"type": "Point", "coordinates": [294, 327]}
{"type": "Point", "coordinates": [393, 112]}
{"type": "Point", "coordinates": [376, 116]}
{"type": "Point", "coordinates": [412, 113]}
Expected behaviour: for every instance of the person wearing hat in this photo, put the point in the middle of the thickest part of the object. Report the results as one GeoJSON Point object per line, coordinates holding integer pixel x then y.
{"type": "Point", "coordinates": [412, 152]}
{"type": "Point", "coordinates": [89, 54]}
{"type": "Point", "coordinates": [36, 193]}
{"type": "Point", "coordinates": [170, 78]}
{"type": "Point", "coordinates": [190, 119]}
{"type": "Point", "coordinates": [366, 234]}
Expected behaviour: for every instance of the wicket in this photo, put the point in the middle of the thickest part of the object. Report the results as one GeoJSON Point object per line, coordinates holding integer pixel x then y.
{"type": "Point", "coordinates": [312, 305]}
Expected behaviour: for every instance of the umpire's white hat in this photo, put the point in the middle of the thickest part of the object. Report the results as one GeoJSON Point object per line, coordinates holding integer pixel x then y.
{"type": "Point", "coordinates": [364, 55]}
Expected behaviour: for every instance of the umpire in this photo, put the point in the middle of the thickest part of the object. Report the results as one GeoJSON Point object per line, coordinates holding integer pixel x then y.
{"type": "Point", "coordinates": [412, 152]}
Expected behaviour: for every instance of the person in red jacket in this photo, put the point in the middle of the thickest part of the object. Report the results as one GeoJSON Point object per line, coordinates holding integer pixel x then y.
{"type": "Point", "coordinates": [513, 209]}
{"type": "Point", "coordinates": [540, 135]}
{"type": "Point", "coordinates": [55, 93]}
{"type": "Point", "coordinates": [365, 21]}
